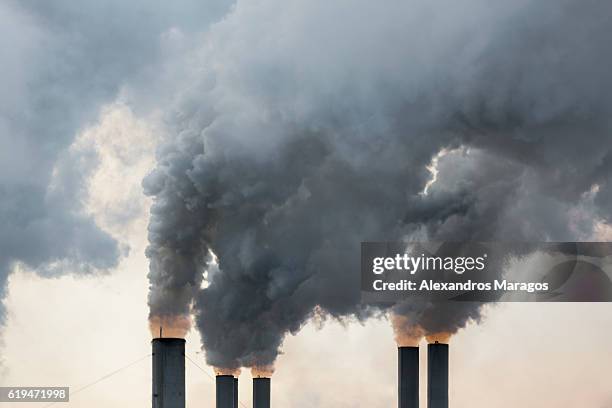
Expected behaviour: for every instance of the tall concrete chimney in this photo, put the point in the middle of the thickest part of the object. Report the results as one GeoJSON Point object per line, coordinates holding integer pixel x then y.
{"type": "Point", "coordinates": [408, 377]}
{"type": "Point", "coordinates": [437, 375]}
{"type": "Point", "coordinates": [261, 392]}
{"type": "Point", "coordinates": [168, 373]}
{"type": "Point", "coordinates": [235, 392]}
{"type": "Point", "coordinates": [225, 391]}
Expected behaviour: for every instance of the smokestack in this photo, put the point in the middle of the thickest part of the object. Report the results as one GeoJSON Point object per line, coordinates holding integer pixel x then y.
{"type": "Point", "coordinates": [408, 377]}
{"type": "Point", "coordinates": [225, 391]}
{"type": "Point", "coordinates": [261, 392]}
{"type": "Point", "coordinates": [235, 392]}
{"type": "Point", "coordinates": [437, 375]}
{"type": "Point", "coordinates": [168, 373]}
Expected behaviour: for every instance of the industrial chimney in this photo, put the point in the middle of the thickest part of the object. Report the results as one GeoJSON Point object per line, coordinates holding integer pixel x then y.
{"type": "Point", "coordinates": [225, 391]}
{"type": "Point", "coordinates": [235, 392]}
{"type": "Point", "coordinates": [408, 377]}
{"type": "Point", "coordinates": [168, 373]}
{"type": "Point", "coordinates": [437, 375]}
{"type": "Point", "coordinates": [261, 392]}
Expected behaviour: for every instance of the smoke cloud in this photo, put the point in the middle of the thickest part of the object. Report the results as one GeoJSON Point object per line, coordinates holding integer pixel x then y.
{"type": "Point", "coordinates": [312, 126]}
{"type": "Point", "coordinates": [61, 62]}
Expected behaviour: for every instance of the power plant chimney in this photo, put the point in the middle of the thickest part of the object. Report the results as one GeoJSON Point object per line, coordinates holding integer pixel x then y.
{"type": "Point", "coordinates": [225, 391]}
{"type": "Point", "coordinates": [168, 373]}
{"type": "Point", "coordinates": [437, 375]}
{"type": "Point", "coordinates": [408, 377]}
{"type": "Point", "coordinates": [235, 392]}
{"type": "Point", "coordinates": [261, 392]}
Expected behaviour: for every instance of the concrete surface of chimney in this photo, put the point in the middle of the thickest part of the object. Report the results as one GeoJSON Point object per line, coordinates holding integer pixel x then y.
{"type": "Point", "coordinates": [437, 375]}
{"type": "Point", "coordinates": [261, 392]}
{"type": "Point", "coordinates": [235, 392]}
{"type": "Point", "coordinates": [408, 377]}
{"type": "Point", "coordinates": [168, 373]}
{"type": "Point", "coordinates": [225, 391]}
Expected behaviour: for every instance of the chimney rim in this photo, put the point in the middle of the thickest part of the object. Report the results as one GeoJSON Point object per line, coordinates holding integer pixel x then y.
{"type": "Point", "coordinates": [167, 339]}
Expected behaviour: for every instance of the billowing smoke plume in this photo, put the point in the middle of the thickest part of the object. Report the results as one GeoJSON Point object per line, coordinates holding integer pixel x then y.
{"type": "Point", "coordinates": [312, 126]}
{"type": "Point", "coordinates": [62, 61]}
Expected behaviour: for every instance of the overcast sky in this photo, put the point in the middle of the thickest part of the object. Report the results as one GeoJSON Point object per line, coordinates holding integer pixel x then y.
{"type": "Point", "coordinates": [72, 330]}
{"type": "Point", "coordinates": [98, 95]}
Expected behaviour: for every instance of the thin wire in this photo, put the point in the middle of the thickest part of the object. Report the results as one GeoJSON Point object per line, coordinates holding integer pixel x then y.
{"type": "Point", "coordinates": [201, 369]}
{"type": "Point", "coordinates": [91, 384]}
{"type": "Point", "coordinates": [208, 374]}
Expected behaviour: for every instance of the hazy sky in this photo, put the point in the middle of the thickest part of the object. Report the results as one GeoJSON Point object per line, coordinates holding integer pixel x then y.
{"type": "Point", "coordinates": [91, 91]}
{"type": "Point", "coordinates": [72, 330]}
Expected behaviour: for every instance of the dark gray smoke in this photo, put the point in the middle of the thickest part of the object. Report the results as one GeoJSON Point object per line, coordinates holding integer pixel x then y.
{"type": "Point", "coordinates": [310, 128]}
{"type": "Point", "coordinates": [61, 61]}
